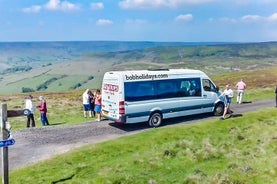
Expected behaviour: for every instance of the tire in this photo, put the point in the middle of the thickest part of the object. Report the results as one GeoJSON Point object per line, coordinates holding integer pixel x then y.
{"type": "Point", "coordinates": [219, 109]}
{"type": "Point", "coordinates": [155, 119]}
{"type": "Point", "coordinates": [26, 112]}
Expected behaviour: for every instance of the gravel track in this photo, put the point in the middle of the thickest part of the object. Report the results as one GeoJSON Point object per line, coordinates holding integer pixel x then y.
{"type": "Point", "coordinates": [37, 144]}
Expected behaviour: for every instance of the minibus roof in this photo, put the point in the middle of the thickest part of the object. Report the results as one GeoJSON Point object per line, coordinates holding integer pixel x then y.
{"type": "Point", "coordinates": [155, 71]}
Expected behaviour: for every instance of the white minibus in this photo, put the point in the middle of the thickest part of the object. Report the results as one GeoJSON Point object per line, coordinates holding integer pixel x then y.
{"type": "Point", "coordinates": [153, 95]}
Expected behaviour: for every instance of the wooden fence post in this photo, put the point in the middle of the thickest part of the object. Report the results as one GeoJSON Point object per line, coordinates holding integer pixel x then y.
{"type": "Point", "coordinates": [5, 150]}
{"type": "Point", "coordinates": [5, 128]}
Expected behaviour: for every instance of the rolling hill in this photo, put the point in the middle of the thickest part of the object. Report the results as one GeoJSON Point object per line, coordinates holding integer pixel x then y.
{"type": "Point", "coordinates": [63, 66]}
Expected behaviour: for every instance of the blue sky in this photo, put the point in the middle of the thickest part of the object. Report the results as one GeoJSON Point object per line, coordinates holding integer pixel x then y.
{"type": "Point", "coordinates": [139, 20]}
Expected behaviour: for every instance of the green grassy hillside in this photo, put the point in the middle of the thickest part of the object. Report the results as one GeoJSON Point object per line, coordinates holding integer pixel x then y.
{"type": "Point", "coordinates": [256, 78]}
{"type": "Point", "coordinates": [32, 69]}
{"type": "Point", "coordinates": [58, 77]}
{"type": "Point", "coordinates": [238, 150]}
{"type": "Point", "coordinates": [66, 107]}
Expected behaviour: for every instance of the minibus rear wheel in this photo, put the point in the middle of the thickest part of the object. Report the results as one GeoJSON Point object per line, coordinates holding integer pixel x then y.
{"type": "Point", "coordinates": [155, 119]}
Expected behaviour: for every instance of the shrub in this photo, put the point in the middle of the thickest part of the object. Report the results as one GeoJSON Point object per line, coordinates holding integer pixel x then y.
{"type": "Point", "coordinates": [27, 90]}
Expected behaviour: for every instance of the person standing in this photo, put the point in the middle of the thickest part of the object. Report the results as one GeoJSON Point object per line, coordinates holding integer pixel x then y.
{"type": "Point", "coordinates": [97, 104]}
{"type": "Point", "coordinates": [228, 94]}
{"type": "Point", "coordinates": [91, 102]}
{"type": "Point", "coordinates": [30, 117]}
{"type": "Point", "coordinates": [86, 103]}
{"type": "Point", "coordinates": [43, 111]}
{"type": "Point", "coordinates": [241, 86]}
{"type": "Point", "coordinates": [276, 95]}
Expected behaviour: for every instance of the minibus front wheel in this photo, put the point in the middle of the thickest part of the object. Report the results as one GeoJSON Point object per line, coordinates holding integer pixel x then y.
{"type": "Point", "coordinates": [219, 109]}
{"type": "Point", "coordinates": [155, 119]}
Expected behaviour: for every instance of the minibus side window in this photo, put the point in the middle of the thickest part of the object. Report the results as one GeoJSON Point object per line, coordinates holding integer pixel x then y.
{"type": "Point", "coordinates": [167, 89]}
{"type": "Point", "coordinates": [195, 87]}
{"type": "Point", "coordinates": [129, 91]}
{"type": "Point", "coordinates": [184, 87]}
{"type": "Point", "coordinates": [208, 85]}
{"type": "Point", "coordinates": [161, 89]}
{"type": "Point", "coordinates": [189, 87]}
{"type": "Point", "coordinates": [137, 91]}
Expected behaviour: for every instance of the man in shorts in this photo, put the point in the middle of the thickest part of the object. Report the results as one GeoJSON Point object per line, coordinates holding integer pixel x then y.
{"type": "Point", "coordinates": [86, 104]}
{"type": "Point", "coordinates": [228, 94]}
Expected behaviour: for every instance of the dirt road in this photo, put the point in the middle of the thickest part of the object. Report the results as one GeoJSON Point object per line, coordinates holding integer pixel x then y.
{"type": "Point", "coordinates": [37, 144]}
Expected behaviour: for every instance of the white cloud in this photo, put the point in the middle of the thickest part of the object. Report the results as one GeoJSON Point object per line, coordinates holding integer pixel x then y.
{"type": "Point", "coordinates": [61, 5]}
{"type": "Point", "coordinates": [251, 18]}
{"type": "Point", "coordinates": [248, 19]}
{"type": "Point", "coordinates": [273, 17]}
{"type": "Point", "coordinates": [145, 4]}
{"type": "Point", "coordinates": [56, 5]}
{"type": "Point", "coordinates": [97, 6]}
{"type": "Point", "coordinates": [185, 18]}
{"type": "Point", "coordinates": [258, 18]}
{"type": "Point", "coordinates": [32, 9]}
{"type": "Point", "coordinates": [103, 22]}
{"type": "Point", "coordinates": [251, 2]}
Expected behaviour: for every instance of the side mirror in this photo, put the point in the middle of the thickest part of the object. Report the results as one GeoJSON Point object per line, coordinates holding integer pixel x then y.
{"type": "Point", "coordinates": [216, 89]}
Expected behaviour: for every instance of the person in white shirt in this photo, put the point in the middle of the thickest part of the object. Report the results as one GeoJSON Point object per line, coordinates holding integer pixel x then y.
{"type": "Point", "coordinates": [86, 103]}
{"type": "Point", "coordinates": [228, 94]}
{"type": "Point", "coordinates": [29, 105]}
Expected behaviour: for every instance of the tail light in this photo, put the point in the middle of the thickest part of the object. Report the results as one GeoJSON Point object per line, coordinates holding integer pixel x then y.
{"type": "Point", "coordinates": [121, 108]}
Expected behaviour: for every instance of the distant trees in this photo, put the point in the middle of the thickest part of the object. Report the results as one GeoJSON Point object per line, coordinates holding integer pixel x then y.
{"type": "Point", "coordinates": [27, 90]}
{"type": "Point", "coordinates": [48, 64]}
{"type": "Point", "coordinates": [90, 77]}
{"type": "Point", "coordinates": [79, 84]}
{"type": "Point", "coordinates": [17, 69]}
{"type": "Point", "coordinates": [44, 85]}
{"type": "Point", "coordinates": [76, 86]}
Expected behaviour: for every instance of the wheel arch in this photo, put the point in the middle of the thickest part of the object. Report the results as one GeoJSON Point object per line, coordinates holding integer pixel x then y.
{"type": "Point", "coordinates": [218, 108]}
{"type": "Point", "coordinates": [155, 114]}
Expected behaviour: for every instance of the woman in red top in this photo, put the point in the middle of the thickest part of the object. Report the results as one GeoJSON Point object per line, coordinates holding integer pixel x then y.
{"type": "Point", "coordinates": [97, 104]}
{"type": "Point", "coordinates": [43, 110]}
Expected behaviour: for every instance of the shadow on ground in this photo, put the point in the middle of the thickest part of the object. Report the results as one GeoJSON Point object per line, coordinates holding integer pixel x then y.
{"type": "Point", "coordinates": [236, 115]}
{"type": "Point", "coordinates": [246, 102]}
{"type": "Point", "coordinates": [166, 122]}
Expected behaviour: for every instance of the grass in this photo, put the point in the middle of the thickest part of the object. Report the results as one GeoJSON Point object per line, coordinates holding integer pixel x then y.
{"type": "Point", "coordinates": [64, 108]}
{"type": "Point", "coordinates": [262, 78]}
{"type": "Point", "coordinates": [238, 150]}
